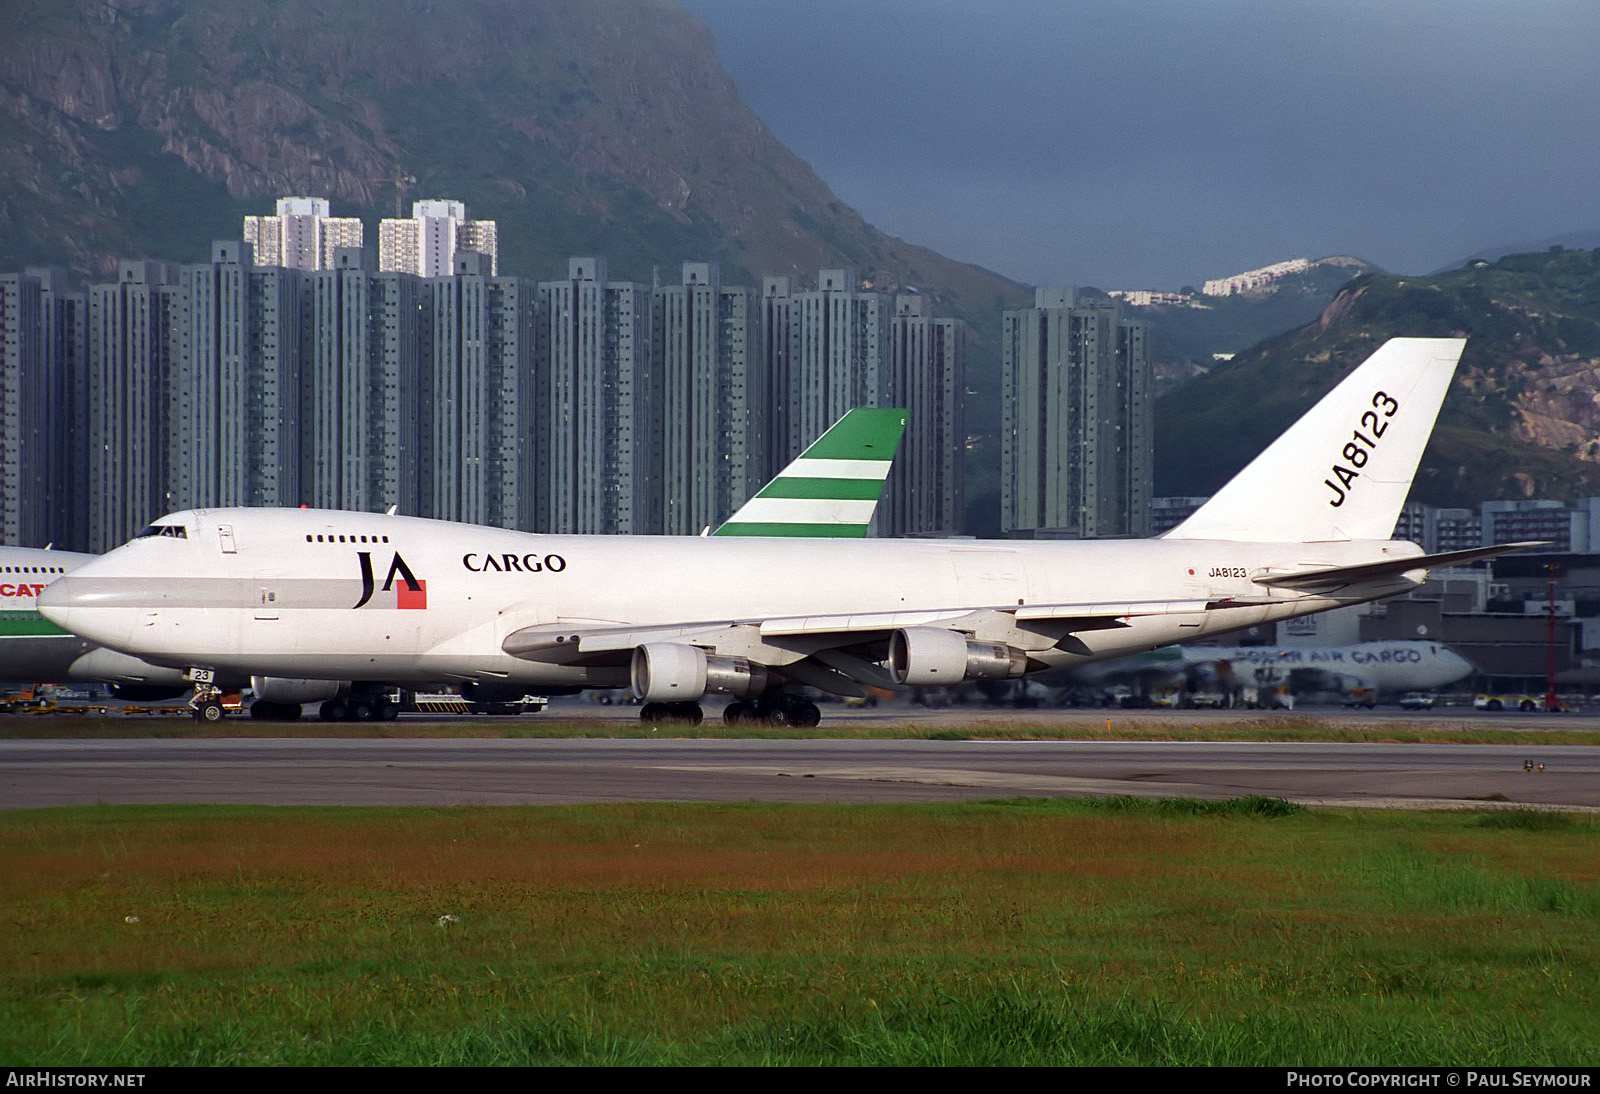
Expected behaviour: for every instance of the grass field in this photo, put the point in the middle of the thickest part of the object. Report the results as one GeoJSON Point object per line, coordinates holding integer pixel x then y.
{"type": "Point", "coordinates": [1016, 932]}
{"type": "Point", "coordinates": [1057, 725]}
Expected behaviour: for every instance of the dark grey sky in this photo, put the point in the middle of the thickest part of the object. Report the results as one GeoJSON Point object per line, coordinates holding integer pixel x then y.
{"type": "Point", "coordinates": [1157, 143]}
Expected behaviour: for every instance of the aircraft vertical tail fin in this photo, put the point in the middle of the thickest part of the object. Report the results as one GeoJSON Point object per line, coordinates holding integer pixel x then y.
{"type": "Point", "coordinates": [1344, 469]}
{"type": "Point", "coordinates": [833, 488]}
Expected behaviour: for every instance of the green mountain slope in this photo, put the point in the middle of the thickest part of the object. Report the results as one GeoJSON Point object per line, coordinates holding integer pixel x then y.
{"type": "Point", "coordinates": [1523, 417]}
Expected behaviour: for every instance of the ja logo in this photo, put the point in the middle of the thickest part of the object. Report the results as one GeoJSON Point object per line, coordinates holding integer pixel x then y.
{"type": "Point", "coordinates": [411, 594]}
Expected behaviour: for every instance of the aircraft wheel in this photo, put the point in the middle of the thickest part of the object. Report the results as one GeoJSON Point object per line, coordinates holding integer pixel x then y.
{"type": "Point", "coordinates": [386, 711]}
{"type": "Point", "coordinates": [358, 710]}
{"type": "Point", "coordinates": [209, 711]}
{"type": "Point", "coordinates": [259, 710]}
{"type": "Point", "coordinates": [652, 712]}
{"type": "Point", "coordinates": [738, 713]}
{"type": "Point", "coordinates": [804, 714]}
{"type": "Point", "coordinates": [332, 711]}
{"type": "Point", "coordinates": [687, 713]}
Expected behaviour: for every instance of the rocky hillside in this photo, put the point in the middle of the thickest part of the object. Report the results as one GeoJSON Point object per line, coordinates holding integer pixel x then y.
{"type": "Point", "coordinates": [149, 127]}
{"type": "Point", "coordinates": [1523, 418]}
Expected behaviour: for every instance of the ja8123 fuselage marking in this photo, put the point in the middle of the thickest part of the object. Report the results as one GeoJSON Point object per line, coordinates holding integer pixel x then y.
{"type": "Point", "coordinates": [1363, 443]}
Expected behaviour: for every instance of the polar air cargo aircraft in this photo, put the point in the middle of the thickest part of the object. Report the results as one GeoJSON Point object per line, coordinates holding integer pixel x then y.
{"type": "Point", "coordinates": [1362, 673]}
{"type": "Point", "coordinates": [321, 600]}
{"type": "Point", "coordinates": [33, 649]}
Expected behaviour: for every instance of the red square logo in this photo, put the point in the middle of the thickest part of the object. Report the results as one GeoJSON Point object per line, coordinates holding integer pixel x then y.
{"type": "Point", "coordinates": [407, 597]}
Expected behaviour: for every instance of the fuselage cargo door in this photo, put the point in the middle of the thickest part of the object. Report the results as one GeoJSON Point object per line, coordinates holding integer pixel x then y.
{"type": "Point", "coordinates": [225, 534]}
{"type": "Point", "coordinates": [990, 576]}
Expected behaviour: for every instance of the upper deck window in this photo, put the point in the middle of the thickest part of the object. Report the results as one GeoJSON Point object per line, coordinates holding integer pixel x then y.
{"type": "Point", "coordinates": [175, 531]}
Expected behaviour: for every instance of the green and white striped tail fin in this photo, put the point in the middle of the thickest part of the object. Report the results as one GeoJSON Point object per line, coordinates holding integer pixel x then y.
{"type": "Point", "coordinates": [833, 489]}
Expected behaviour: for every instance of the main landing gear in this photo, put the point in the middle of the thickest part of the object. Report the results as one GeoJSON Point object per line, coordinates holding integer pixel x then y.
{"type": "Point", "coordinates": [687, 714]}
{"type": "Point", "coordinates": [771, 709]}
{"type": "Point", "coordinates": [359, 708]}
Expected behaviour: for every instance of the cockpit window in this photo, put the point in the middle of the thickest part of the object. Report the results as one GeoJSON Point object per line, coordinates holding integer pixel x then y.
{"type": "Point", "coordinates": [175, 531]}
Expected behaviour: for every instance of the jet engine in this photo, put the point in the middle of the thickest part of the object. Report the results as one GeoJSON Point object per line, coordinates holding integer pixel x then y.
{"type": "Point", "coordinates": [668, 672]}
{"type": "Point", "coordinates": [278, 689]}
{"type": "Point", "coordinates": [929, 655]}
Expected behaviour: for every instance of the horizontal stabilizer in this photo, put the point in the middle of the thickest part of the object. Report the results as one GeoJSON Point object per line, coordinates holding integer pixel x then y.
{"type": "Point", "coordinates": [1340, 576]}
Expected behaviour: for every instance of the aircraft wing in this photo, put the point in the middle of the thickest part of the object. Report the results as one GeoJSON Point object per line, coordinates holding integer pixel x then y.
{"type": "Point", "coordinates": [1326, 580]}
{"type": "Point", "coordinates": [782, 642]}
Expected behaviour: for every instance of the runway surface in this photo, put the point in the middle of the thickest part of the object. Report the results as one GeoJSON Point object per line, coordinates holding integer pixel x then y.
{"type": "Point", "coordinates": [35, 773]}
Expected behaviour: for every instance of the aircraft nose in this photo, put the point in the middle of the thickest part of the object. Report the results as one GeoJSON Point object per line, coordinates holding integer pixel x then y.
{"type": "Point", "coordinates": [87, 607]}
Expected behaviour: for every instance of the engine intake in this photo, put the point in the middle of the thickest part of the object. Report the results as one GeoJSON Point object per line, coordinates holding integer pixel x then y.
{"type": "Point", "coordinates": [929, 655]}
{"type": "Point", "coordinates": [669, 672]}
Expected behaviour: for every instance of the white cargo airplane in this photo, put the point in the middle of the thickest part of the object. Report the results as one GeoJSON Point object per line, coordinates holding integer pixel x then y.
{"type": "Point", "coordinates": [32, 649]}
{"type": "Point", "coordinates": [321, 601]}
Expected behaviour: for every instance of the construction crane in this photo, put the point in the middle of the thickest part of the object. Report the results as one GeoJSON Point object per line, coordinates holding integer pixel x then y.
{"type": "Point", "coordinates": [400, 181]}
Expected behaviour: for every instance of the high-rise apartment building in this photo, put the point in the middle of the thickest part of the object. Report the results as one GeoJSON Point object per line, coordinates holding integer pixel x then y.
{"type": "Point", "coordinates": [598, 405]}
{"type": "Point", "coordinates": [302, 236]}
{"type": "Point", "coordinates": [476, 447]}
{"type": "Point", "coordinates": [1076, 444]}
{"type": "Point", "coordinates": [713, 399]}
{"type": "Point", "coordinates": [927, 376]}
{"type": "Point", "coordinates": [426, 244]}
{"type": "Point", "coordinates": [22, 380]}
{"type": "Point", "coordinates": [839, 355]}
{"type": "Point", "coordinates": [777, 352]}
{"type": "Point", "coordinates": [64, 343]}
{"type": "Point", "coordinates": [360, 380]}
{"type": "Point", "coordinates": [236, 383]}
{"type": "Point", "coordinates": [130, 367]}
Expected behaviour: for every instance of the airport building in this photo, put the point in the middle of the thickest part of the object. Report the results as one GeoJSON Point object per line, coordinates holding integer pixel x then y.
{"type": "Point", "coordinates": [1076, 410]}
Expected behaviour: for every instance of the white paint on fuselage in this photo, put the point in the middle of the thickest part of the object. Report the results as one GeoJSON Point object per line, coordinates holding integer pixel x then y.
{"type": "Point", "coordinates": [245, 591]}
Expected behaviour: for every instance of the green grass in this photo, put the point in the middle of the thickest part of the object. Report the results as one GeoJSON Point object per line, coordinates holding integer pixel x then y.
{"type": "Point", "coordinates": [1065, 725]}
{"type": "Point", "coordinates": [1007, 932]}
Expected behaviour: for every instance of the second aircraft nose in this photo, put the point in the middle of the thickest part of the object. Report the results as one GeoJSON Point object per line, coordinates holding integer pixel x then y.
{"type": "Point", "coordinates": [88, 607]}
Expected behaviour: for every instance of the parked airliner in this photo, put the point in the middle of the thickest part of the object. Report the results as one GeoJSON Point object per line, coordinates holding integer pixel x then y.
{"type": "Point", "coordinates": [1361, 673]}
{"type": "Point", "coordinates": [316, 602]}
{"type": "Point", "coordinates": [33, 649]}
